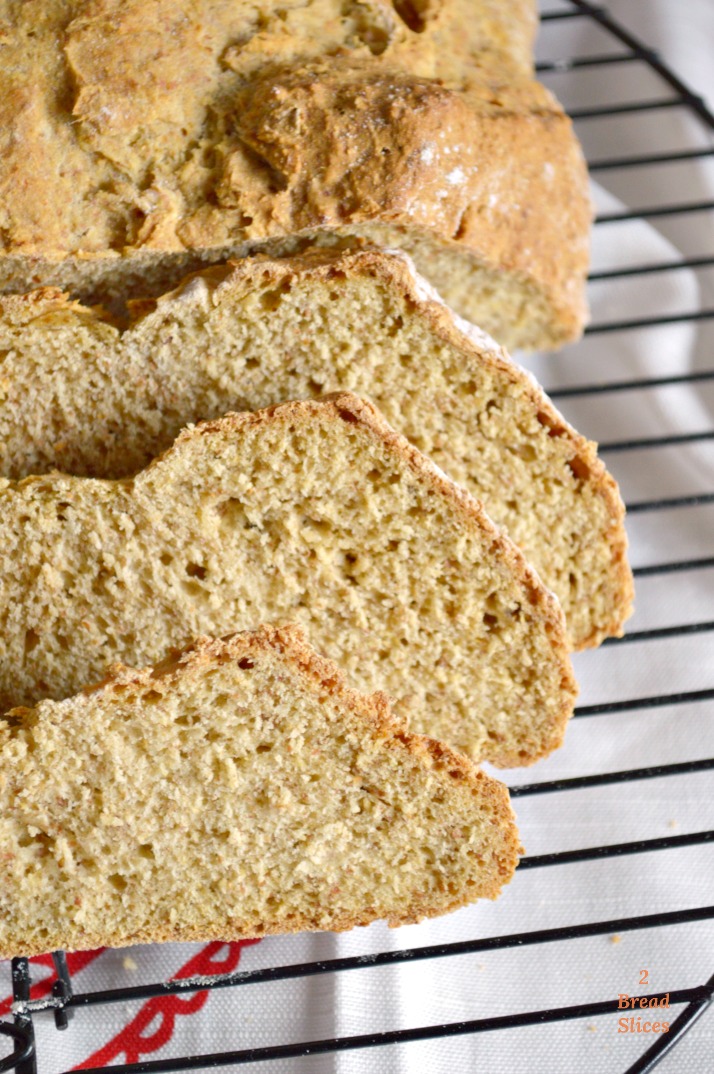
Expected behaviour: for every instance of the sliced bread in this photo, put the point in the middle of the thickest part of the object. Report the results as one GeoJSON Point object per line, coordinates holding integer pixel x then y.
{"type": "Point", "coordinates": [141, 139]}
{"type": "Point", "coordinates": [237, 789]}
{"type": "Point", "coordinates": [80, 395]}
{"type": "Point", "coordinates": [312, 512]}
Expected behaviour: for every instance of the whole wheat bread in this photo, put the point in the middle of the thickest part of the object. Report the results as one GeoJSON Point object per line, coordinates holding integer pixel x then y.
{"type": "Point", "coordinates": [142, 138]}
{"type": "Point", "coordinates": [82, 396]}
{"type": "Point", "coordinates": [237, 789]}
{"type": "Point", "coordinates": [313, 512]}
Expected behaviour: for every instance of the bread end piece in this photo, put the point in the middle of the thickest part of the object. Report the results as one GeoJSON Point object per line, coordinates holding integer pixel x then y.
{"type": "Point", "coordinates": [237, 789]}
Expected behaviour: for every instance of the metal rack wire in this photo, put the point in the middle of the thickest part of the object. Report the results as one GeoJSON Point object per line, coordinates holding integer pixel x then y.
{"type": "Point", "coordinates": [65, 1002]}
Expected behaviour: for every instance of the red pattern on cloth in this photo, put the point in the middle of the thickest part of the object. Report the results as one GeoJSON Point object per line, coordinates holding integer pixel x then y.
{"type": "Point", "coordinates": [132, 1042]}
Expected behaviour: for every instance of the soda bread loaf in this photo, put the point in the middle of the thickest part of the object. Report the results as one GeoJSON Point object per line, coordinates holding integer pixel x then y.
{"type": "Point", "coordinates": [79, 395]}
{"type": "Point", "coordinates": [236, 790]}
{"type": "Point", "coordinates": [142, 138]}
{"type": "Point", "coordinates": [310, 512]}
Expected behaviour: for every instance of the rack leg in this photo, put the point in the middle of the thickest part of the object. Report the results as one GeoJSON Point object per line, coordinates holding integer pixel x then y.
{"type": "Point", "coordinates": [21, 983]}
{"type": "Point", "coordinates": [62, 989]}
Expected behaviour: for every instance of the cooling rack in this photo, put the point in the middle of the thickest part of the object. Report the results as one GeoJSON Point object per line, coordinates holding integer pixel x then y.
{"type": "Point", "coordinates": [620, 49]}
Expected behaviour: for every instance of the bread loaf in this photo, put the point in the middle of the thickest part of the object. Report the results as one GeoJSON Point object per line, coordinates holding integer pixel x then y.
{"type": "Point", "coordinates": [311, 512]}
{"type": "Point", "coordinates": [238, 789]}
{"type": "Point", "coordinates": [83, 397]}
{"type": "Point", "coordinates": [142, 138]}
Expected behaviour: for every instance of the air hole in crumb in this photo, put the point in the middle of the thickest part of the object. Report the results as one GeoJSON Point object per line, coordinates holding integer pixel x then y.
{"type": "Point", "coordinates": [489, 620]}
{"type": "Point", "coordinates": [146, 850]}
{"type": "Point", "coordinates": [32, 639]}
{"type": "Point", "coordinates": [579, 468]}
{"type": "Point", "coordinates": [195, 570]}
{"type": "Point", "coordinates": [270, 300]}
{"type": "Point", "coordinates": [60, 509]}
{"type": "Point", "coordinates": [41, 840]}
{"type": "Point", "coordinates": [265, 747]}
{"type": "Point", "coordinates": [13, 722]}
{"type": "Point", "coordinates": [118, 882]}
{"type": "Point", "coordinates": [553, 429]}
{"type": "Point", "coordinates": [348, 416]}
{"type": "Point", "coordinates": [251, 363]}
{"type": "Point", "coordinates": [411, 12]}
{"type": "Point", "coordinates": [151, 697]}
{"type": "Point", "coordinates": [187, 720]}
{"type": "Point", "coordinates": [246, 664]}
{"type": "Point", "coordinates": [166, 558]}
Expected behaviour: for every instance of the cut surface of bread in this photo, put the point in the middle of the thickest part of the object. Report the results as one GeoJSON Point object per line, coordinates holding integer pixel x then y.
{"type": "Point", "coordinates": [237, 789]}
{"type": "Point", "coordinates": [140, 139]}
{"type": "Point", "coordinates": [83, 397]}
{"type": "Point", "coordinates": [310, 512]}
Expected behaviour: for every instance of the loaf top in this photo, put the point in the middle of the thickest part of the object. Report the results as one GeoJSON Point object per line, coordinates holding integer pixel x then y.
{"type": "Point", "coordinates": [237, 789]}
{"type": "Point", "coordinates": [144, 128]}
{"type": "Point", "coordinates": [147, 123]}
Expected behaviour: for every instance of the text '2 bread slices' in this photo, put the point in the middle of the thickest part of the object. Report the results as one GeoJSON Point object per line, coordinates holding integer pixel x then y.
{"type": "Point", "coordinates": [312, 512]}
{"type": "Point", "coordinates": [238, 789]}
{"type": "Point", "coordinates": [84, 397]}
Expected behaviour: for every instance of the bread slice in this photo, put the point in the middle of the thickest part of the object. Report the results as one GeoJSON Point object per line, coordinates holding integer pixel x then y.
{"type": "Point", "coordinates": [311, 512]}
{"type": "Point", "coordinates": [238, 789]}
{"type": "Point", "coordinates": [84, 397]}
{"type": "Point", "coordinates": [141, 140]}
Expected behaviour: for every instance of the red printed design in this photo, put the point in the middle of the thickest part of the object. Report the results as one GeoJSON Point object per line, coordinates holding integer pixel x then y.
{"type": "Point", "coordinates": [161, 1012]}
{"type": "Point", "coordinates": [40, 989]}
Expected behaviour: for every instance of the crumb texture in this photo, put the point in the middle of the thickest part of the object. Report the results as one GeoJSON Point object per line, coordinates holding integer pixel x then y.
{"type": "Point", "coordinates": [141, 137]}
{"type": "Point", "coordinates": [78, 395]}
{"type": "Point", "coordinates": [311, 512]}
{"type": "Point", "coordinates": [237, 790]}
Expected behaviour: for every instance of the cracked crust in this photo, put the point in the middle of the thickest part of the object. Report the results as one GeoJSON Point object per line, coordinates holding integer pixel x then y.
{"type": "Point", "coordinates": [142, 139]}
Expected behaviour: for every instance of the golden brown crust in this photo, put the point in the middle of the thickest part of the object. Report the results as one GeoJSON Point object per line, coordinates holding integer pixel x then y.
{"type": "Point", "coordinates": [339, 118]}
{"type": "Point", "coordinates": [322, 678]}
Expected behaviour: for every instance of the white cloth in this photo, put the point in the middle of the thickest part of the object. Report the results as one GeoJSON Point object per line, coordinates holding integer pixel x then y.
{"type": "Point", "coordinates": [532, 978]}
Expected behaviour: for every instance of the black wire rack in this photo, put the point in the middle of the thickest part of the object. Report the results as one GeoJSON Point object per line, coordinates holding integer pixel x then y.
{"type": "Point", "coordinates": [65, 1002]}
